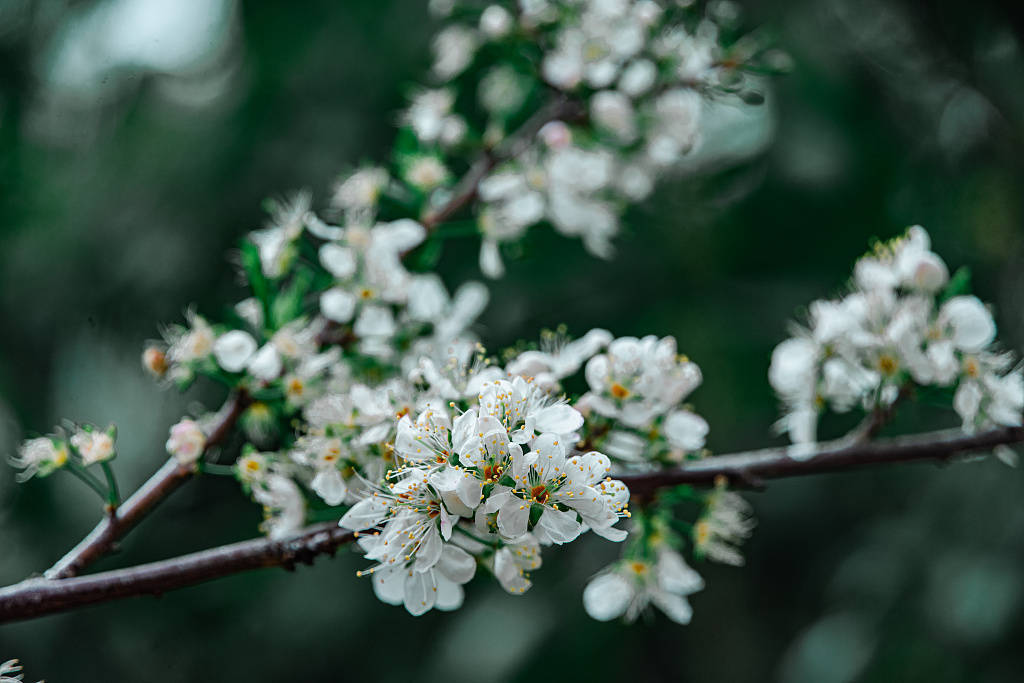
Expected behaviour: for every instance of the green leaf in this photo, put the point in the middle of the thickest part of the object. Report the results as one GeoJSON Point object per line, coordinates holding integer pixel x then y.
{"type": "Point", "coordinates": [959, 284]}
{"type": "Point", "coordinates": [428, 255]}
{"type": "Point", "coordinates": [288, 304]}
{"type": "Point", "coordinates": [254, 274]}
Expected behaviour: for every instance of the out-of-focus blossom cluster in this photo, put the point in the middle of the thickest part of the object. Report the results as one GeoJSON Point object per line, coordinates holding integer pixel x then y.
{"type": "Point", "coordinates": [632, 76]}
{"type": "Point", "coordinates": [903, 324]}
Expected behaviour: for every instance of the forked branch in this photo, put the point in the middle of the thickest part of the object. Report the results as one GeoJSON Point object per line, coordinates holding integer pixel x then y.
{"type": "Point", "coordinates": [40, 596]}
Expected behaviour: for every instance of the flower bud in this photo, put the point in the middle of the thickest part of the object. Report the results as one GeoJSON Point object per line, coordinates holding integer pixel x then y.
{"type": "Point", "coordinates": [259, 423]}
{"type": "Point", "coordinates": [556, 134]}
{"type": "Point", "coordinates": [495, 22]}
{"type": "Point", "coordinates": [187, 442]}
{"type": "Point", "coordinates": [94, 446]}
{"type": "Point", "coordinates": [266, 363]}
{"type": "Point", "coordinates": [154, 360]}
{"type": "Point", "coordinates": [234, 349]}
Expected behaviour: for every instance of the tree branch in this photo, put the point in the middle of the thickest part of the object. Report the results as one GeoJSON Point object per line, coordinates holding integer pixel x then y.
{"type": "Point", "coordinates": [741, 469]}
{"type": "Point", "coordinates": [40, 596]}
{"type": "Point", "coordinates": [36, 597]}
{"type": "Point", "coordinates": [561, 108]}
{"type": "Point", "coordinates": [124, 518]}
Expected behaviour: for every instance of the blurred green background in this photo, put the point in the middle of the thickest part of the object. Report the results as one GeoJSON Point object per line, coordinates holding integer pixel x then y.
{"type": "Point", "coordinates": [137, 141]}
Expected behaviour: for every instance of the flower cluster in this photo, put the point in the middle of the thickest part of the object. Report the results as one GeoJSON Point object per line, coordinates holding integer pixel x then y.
{"type": "Point", "coordinates": [638, 73]}
{"type": "Point", "coordinates": [635, 402]}
{"type": "Point", "coordinates": [904, 323]}
{"type": "Point", "coordinates": [87, 445]}
{"type": "Point", "coordinates": [631, 76]}
{"type": "Point", "coordinates": [495, 480]}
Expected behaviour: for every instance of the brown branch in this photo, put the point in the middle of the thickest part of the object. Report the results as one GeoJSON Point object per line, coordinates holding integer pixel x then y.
{"type": "Point", "coordinates": [561, 108]}
{"type": "Point", "coordinates": [120, 521]}
{"type": "Point", "coordinates": [36, 597]}
{"type": "Point", "coordinates": [740, 469]}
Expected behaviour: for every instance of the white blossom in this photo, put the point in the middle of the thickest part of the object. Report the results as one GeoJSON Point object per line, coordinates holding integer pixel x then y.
{"type": "Point", "coordinates": [39, 457]}
{"type": "Point", "coordinates": [865, 348]}
{"type": "Point", "coordinates": [629, 586]}
{"type": "Point", "coordinates": [92, 445]}
{"type": "Point", "coordinates": [283, 503]}
{"type": "Point", "coordinates": [266, 363]}
{"type": "Point", "coordinates": [233, 350]}
{"type": "Point", "coordinates": [726, 523]}
{"type": "Point", "coordinates": [495, 21]}
{"type": "Point", "coordinates": [637, 380]}
{"type": "Point", "coordinates": [454, 48]}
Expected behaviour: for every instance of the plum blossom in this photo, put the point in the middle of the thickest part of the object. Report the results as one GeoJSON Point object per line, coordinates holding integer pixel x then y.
{"type": "Point", "coordinates": [893, 330]}
{"type": "Point", "coordinates": [39, 457]}
{"type": "Point", "coordinates": [94, 446]}
{"type": "Point", "coordinates": [628, 587]}
{"type": "Point", "coordinates": [638, 380]}
{"type": "Point", "coordinates": [725, 524]}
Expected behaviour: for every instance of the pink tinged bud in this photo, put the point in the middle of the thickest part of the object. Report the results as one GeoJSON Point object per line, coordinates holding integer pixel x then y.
{"type": "Point", "coordinates": [186, 442]}
{"type": "Point", "coordinates": [556, 135]}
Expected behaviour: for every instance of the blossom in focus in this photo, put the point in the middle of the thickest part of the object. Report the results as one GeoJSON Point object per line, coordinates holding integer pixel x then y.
{"type": "Point", "coordinates": [637, 380]}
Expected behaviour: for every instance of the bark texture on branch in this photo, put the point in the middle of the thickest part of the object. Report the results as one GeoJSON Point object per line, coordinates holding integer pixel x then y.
{"type": "Point", "coordinates": [752, 468]}
{"type": "Point", "coordinates": [36, 597]}
{"type": "Point", "coordinates": [41, 596]}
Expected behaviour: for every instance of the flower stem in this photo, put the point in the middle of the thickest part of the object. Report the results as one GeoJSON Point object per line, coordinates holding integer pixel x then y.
{"type": "Point", "coordinates": [219, 470]}
{"type": "Point", "coordinates": [114, 497]}
{"type": "Point", "coordinates": [89, 481]}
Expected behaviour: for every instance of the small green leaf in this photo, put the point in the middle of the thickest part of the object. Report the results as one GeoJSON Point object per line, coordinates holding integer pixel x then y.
{"type": "Point", "coordinates": [959, 284]}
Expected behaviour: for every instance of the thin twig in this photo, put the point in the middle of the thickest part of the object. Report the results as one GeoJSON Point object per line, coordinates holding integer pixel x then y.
{"type": "Point", "coordinates": [36, 597]}
{"type": "Point", "coordinates": [560, 108]}
{"type": "Point", "coordinates": [167, 479]}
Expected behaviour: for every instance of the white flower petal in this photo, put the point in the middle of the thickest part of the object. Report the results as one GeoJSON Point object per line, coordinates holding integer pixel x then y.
{"type": "Point", "coordinates": [607, 596]}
